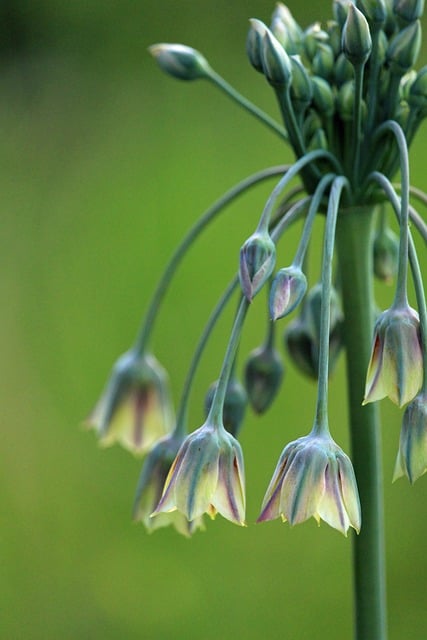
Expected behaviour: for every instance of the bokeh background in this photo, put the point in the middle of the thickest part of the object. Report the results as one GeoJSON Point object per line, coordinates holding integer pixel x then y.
{"type": "Point", "coordinates": [105, 162]}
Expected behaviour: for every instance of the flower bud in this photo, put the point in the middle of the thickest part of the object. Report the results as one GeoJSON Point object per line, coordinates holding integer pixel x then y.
{"type": "Point", "coordinates": [345, 101]}
{"type": "Point", "coordinates": [375, 11]}
{"type": "Point", "coordinates": [287, 290]}
{"type": "Point", "coordinates": [340, 11]}
{"type": "Point", "coordinates": [343, 70]}
{"type": "Point", "coordinates": [404, 48]}
{"type": "Point", "coordinates": [356, 37]}
{"type": "Point", "coordinates": [396, 365]}
{"type": "Point", "coordinates": [254, 44]}
{"type": "Point", "coordinates": [323, 97]}
{"type": "Point", "coordinates": [180, 61]}
{"type": "Point", "coordinates": [408, 10]}
{"type": "Point", "coordinates": [275, 61]}
{"type": "Point", "coordinates": [323, 61]}
{"type": "Point", "coordinates": [418, 91]}
{"type": "Point", "coordinates": [334, 33]}
{"type": "Point", "coordinates": [301, 90]}
{"type": "Point", "coordinates": [318, 141]}
{"type": "Point", "coordinates": [302, 336]}
{"type": "Point", "coordinates": [386, 254]}
{"type": "Point", "coordinates": [257, 260]}
{"type": "Point", "coordinates": [235, 403]}
{"type": "Point", "coordinates": [412, 457]}
{"type": "Point", "coordinates": [311, 124]}
{"type": "Point", "coordinates": [289, 24]}
{"type": "Point", "coordinates": [313, 36]}
{"type": "Point", "coordinates": [263, 376]}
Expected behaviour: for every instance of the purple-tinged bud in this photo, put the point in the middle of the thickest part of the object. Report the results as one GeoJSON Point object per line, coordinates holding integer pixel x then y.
{"type": "Point", "coordinates": [263, 376]}
{"type": "Point", "coordinates": [412, 456]}
{"type": "Point", "coordinates": [180, 61]}
{"type": "Point", "coordinates": [396, 365]}
{"type": "Point", "coordinates": [404, 48]}
{"type": "Point", "coordinates": [287, 290]}
{"type": "Point", "coordinates": [356, 37]}
{"type": "Point", "coordinates": [257, 260]}
{"type": "Point", "coordinates": [235, 403]}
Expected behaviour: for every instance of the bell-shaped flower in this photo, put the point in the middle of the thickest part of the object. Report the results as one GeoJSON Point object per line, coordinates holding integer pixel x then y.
{"type": "Point", "coordinates": [412, 456]}
{"type": "Point", "coordinates": [313, 478]}
{"type": "Point", "coordinates": [135, 408]}
{"type": "Point", "coordinates": [150, 487]}
{"type": "Point", "coordinates": [207, 476]}
{"type": "Point", "coordinates": [257, 260]}
{"type": "Point", "coordinates": [396, 365]}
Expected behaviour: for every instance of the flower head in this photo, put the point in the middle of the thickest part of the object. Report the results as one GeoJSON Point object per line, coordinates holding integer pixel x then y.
{"type": "Point", "coordinates": [207, 476]}
{"type": "Point", "coordinates": [134, 409]}
{"type": "Point", "coordinates": [150, 486]}
{"type": "Point", "coordinates": [313, 478]}
{"type": "Point", "coordinates": [396, 365]}
{"type": "Point", "coordinates": [412, 456]}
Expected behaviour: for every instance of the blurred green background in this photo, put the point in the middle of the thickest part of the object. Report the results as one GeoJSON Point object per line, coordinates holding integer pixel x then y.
{"type": "Point", "coordinates": [105, 162]}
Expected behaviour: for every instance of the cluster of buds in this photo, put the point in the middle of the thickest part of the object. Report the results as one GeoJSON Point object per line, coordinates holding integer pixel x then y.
{"type": "Point", "coordinates": [351, 104]}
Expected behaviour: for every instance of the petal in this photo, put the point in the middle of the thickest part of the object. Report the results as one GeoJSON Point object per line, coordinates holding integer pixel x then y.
{"type": "Point", "coordinates": [349, 491]}
{"type": "Point", "coordinates": [303, 485]}
{"type": "Point", "coordinates": [331, 507]}
{"type": "Point", "coordinates": [229, 496]}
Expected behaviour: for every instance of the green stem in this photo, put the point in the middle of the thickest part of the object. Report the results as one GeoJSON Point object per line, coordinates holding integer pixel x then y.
{"type": "Point", "coordinates": [246, 104]}
{"type": "Point", "coordinates": [180, 251]}
{"type": "Point", "coordinates": [354, 246]}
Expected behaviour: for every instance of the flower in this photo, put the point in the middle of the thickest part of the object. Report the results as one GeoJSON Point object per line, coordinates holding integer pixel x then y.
{"type": "Point", "coordinates": [287, 290]}
{"type": "Point", "coordinates": [150, 486]}
{"type": "Point", "coordinates": [263, 376]}
{"type": "Point", "coordinates": [207, 476]}
{"type": "Point", "coordinates": [396, 365]}
{"type": "Point", "coordinates": [313, 477]}
{"type": "Point", "coordinates": [135, 408]}
{"type": "Point", "coordinates": [412, 456]}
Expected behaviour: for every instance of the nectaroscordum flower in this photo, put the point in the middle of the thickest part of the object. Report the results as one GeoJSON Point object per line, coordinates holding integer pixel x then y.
{"type": "Point", "coordinates": [207, 476]}
{"type": "Point", "coordinates": [150, 486]}
{"type": "Point", "coordinates": [135, 408]}
{"type": "Point", "coordinates": [396, 365]}
{"type": "Point", "coordinates": [313, 478]}
{"type": "Point", "coordinates": [412, 456]}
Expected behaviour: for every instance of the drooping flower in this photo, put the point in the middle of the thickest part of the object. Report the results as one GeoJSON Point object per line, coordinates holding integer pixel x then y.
{"type": "Point", "coordinates": [135, 408]}
{"type": "Point", "coordinates": [412, 456]}
{"type": "Point", "coordinates": [396, 365]}
{"type": "Point", "coordinates": [207, 476]}
{"type": "Point", "coordinates": [313, 478]}
{"type": "Point", "coordinates": [150, 486]}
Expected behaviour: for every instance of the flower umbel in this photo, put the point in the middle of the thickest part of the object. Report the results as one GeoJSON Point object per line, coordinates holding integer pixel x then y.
{"type": "Point", "coordinates": [207, 476]}
{"type": "Point", "coordinates": [135, 408]}
{"type": "Point", "coordinates": [396, 365]}
{"type": "Point", "coordinates": [313, 478]}
{"type": "Point", "coordinates": [150, 486]}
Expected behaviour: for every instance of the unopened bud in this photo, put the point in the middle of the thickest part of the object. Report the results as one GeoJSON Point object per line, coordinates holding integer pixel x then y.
{"type": "Point", "coordinates": [323, 96]}
{"type": "Point", "coordinates": [323, 61]}
{"type": "Point", "coordinates": [257, 260]}
{"type": "Point", "coordinates": [418, 92]}
{"type": "Point", "coordinates": [313, 36]}
{"type": "Point", "coordinates": [287, 290]}
{"type": "Point", "coordinates": [386, 254]}
{"type": "Point", "coordinates": [340, 11]}
{"type": "Point", "coordinates": [263, 375]}
{"type": "Point", "coordinates": [343, 70]}
{"type": "Point", "coordinates": [375, 11]}
{"type": "Point", "coordinates": [301, 90]}
{"type": "Point", "coordinates": [283, 15]}
{"type": "Point", "coordinates": [356, 37]}
{"type": "Point", "coordinates": [275, 61]}
{"type": "Point", "coordinates": [180, 61]}
{"type": "Point", "coordinates": [408, 10]}
{"type": "Point", "coordinates": [254, 44]}
{"type": "Point", "coordinates": [404, 49]}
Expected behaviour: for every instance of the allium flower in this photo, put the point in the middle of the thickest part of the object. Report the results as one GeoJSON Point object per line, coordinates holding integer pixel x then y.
{"type": "Point", "coordinates": [257, 260]}
{"type": "Point", "coordinates": [412, 457]}
{"type": "Point", "coordinates": [150, 486]}
{"type": "Point", "coordinates": [313, 478]}
{"type": "Point", "coordinates": [207, 476]}
{"type": "Point", "coordinates": [134, 409]}
{"type": "Point", "coordinates": [396, 366]}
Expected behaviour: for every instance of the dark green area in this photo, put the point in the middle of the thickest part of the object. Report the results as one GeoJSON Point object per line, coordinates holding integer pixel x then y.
{"type": "Point", "coordinates": [105, 162]}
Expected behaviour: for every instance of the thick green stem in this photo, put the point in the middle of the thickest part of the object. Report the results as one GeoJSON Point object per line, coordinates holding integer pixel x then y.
{"type": "Point", "coordinates": [354, 245]}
